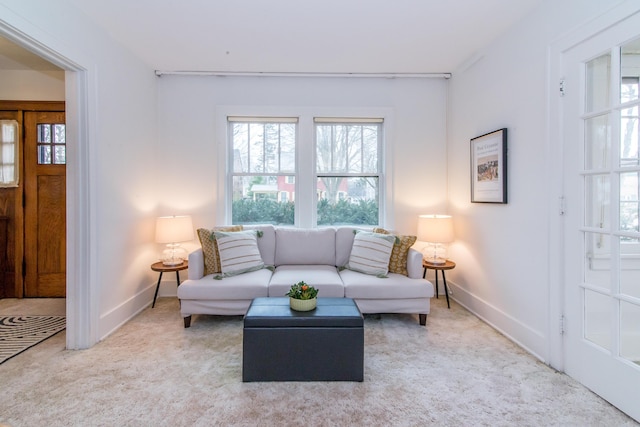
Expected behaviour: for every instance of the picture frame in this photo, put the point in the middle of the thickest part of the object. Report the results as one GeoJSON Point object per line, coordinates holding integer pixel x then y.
{"type": "Point", "coordinates": [489, 167]}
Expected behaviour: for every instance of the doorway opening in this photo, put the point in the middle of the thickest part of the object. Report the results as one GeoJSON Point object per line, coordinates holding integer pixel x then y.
{"type": "Point", "coordinates": [81, 309]}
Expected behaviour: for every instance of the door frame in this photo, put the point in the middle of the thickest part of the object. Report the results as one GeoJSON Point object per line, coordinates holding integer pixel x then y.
{"type": "Point", "coordinates": [82, 284]}
{"type": "Point", "coordinates": [555, 154]}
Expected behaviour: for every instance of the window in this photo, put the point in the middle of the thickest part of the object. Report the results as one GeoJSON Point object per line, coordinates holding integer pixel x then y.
{"type": "Point", "coordinates": [9, 150]}
{"type": "Point", "coordinates": [51, 144]}
{"type": "Point", "coordinates": [348, 171]}
{"type": "Point", "coordinates": [340, 160]}
{"type": "Point", "coordinates": [263, 153]}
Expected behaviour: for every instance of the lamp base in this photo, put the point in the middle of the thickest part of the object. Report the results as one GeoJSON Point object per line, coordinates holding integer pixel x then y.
{"type": "Point", "coordinates": [438, 261]}
{"type": "Point", "coordinates": [173, 255]}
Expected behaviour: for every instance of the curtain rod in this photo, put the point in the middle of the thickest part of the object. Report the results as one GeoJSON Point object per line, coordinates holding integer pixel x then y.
{"type": "Point", "coordinates": [161, 73]}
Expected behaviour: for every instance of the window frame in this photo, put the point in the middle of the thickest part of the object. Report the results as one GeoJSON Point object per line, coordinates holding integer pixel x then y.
{"type": "Point", "coordinates": [305, 201]}
{"type": "Point", "coordinates": [378, 174]}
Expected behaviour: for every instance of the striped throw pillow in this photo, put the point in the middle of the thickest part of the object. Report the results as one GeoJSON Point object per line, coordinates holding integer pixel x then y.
{"type": "Point", "coordinates": [239, 252]}
{"type": "Point", "coordinates": [371, 252]}
{"type": "Point", "coordinates": [210, 249]}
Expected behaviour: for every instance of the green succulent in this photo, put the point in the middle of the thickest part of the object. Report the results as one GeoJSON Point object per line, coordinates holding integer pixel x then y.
{"type": "Point", "coordinates": [302, 291]}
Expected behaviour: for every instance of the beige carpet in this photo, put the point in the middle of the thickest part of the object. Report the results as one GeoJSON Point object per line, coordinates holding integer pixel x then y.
{"type": "Point", "coordinates": [152, 372]}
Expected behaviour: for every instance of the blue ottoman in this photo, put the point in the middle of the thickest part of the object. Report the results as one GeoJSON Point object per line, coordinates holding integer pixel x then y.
{"type": "Point", "coordinates": [281, 344]}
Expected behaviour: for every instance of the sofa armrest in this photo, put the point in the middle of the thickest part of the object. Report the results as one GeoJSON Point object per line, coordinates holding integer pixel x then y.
{"type": "Point", "coordinates": [414, 264]}
{"type": "Point", "coordinates": [196, 265]}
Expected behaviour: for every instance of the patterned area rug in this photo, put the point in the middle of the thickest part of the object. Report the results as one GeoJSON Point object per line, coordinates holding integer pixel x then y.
{"type": "Point", "coordinates": [18, 333]}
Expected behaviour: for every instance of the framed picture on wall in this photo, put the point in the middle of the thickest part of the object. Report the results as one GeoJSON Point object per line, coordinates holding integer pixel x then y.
{"type": "Point", "coordinates": [489, 167]}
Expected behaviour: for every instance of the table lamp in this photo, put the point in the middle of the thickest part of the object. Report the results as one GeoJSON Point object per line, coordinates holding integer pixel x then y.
{"type": "Point", "coordinates": [436, 230]}
{"type": "Point", "coordinates": [172, 230]}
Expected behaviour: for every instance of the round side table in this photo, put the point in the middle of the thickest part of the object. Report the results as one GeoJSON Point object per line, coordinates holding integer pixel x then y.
{"type": "Point", "coordinates": [448, 265]}
{"type": "Point", "coordinates": [161, 268]}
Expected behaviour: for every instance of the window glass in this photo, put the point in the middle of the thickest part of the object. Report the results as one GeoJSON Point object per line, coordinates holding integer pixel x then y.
{"type": "Point", "coordinates": [262, 163]}
{"type": "Point", "coordinates": [51, 144]}
{"type": "Point", "coordinates": [9, 149]}
{"type": "Point", "coordinates": [264, 171]}
{"type": "Point", "coordinates": [348, 171]}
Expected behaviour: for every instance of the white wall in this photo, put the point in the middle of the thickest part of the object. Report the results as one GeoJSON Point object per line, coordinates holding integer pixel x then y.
{"type": "Point", "coordinates": [191, 140]}
{"type": "Point", "coordinates": [501, 251]}
{"type": "Point", "coordinates": [31, 85]}
{"type": "Point", "coordinates": [112, 168]}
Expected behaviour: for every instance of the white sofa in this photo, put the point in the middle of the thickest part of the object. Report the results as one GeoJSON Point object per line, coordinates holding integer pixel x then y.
{"type": "Point", "coordinates": [312, 255]}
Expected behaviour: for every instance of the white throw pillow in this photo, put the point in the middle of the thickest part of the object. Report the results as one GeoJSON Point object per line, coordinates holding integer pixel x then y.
{"type": "Point", "coordinates": [371, 252]}
{"type": "Point", "coordinates": [238, 252]}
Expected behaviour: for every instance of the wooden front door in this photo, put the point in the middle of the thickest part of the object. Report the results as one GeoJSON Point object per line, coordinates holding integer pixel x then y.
{"type": "Point", "coordinates": [44, 266]}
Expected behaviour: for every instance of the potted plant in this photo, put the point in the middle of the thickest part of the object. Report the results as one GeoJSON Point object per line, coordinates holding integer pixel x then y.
{"type": "Point", "coordinates": [302, 297]}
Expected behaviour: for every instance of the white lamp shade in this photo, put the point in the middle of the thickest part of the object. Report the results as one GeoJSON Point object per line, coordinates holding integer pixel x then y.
{"type": "Point", "coordinates": [435, 228]}
{"type": "Point", "coordinates": [174, 229]}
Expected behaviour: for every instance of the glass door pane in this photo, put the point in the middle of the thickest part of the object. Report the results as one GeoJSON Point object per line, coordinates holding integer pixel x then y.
{"type": "Point", "coordinates": [597, 318]}
{"type": "Point", "coordinates": [630, 331]}
{"type": "Point", "coordinates": [597, 195]}
{"type": "Point", "coordinates": [597, 143]}
{"type": "Point", "coordinates": [629, 71]}
{"type": "Point", "coordinates": [598, 77]}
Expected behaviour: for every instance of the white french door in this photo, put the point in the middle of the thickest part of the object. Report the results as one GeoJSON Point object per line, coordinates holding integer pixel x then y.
{"type": "Point", "coordinates": [601, 235]}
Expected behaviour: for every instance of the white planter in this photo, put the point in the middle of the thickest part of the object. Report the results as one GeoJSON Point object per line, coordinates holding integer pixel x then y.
{"type": "Point", "coordinates": [302, 304]}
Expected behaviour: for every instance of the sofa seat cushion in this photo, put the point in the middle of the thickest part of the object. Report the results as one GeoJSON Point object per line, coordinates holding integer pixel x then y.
{"type": "Point", "coordinates": [323, 277]}
{"type": "Point", "coordinates": [243, 286]}
{"type": "Point", "coordinates": [364, 286]}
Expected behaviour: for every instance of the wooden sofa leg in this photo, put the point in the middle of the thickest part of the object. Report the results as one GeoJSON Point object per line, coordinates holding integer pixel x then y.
{"type": "Point", "coordinates": [423, 319]}
{"type": "Point", "coordinates": [187, 321]}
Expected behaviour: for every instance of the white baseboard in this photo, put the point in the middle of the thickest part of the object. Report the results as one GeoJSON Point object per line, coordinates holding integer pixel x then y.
{"type": "Point", "coordinates": [118, 316]}
{"type": "Point", "coordinates": [529, 339]}
{"type": "Point", "coordinates": [115, 318]}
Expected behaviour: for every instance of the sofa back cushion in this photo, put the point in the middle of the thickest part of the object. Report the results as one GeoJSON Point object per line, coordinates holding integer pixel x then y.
{"type": "Point", "coordinates": [344, 243]}
{"type": "Point", "coordinates": [305, 246]}
{"type": "Point", "coordinates": [266, 243]}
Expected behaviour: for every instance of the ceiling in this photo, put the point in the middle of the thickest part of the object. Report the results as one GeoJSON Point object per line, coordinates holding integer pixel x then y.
{"type": "Point", "coordinates": [328, 36]}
